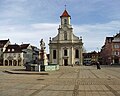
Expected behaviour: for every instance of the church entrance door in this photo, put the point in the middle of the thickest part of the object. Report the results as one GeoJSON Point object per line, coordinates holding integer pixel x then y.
{"type": "Point", "coordinates": [65, 62]}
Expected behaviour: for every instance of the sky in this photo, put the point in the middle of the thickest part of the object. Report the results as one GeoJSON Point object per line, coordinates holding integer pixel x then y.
{"type": "Point", "coordinates": [29, 21]}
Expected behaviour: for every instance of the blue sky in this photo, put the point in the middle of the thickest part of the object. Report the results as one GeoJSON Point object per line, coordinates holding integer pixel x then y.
{"type": "Point", "coordinates": [28, 21]}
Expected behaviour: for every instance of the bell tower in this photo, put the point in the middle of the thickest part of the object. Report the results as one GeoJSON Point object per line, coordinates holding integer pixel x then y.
{"type": "Point", "coordinates": [65, 18]}
{"type": "Point", "coordinates": [66, 48]}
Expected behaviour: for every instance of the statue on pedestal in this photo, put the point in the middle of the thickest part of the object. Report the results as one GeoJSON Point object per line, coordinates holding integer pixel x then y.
{"type": "Point", "coordinates": [42, 44]}
{"type": "Point", "coordinates": [42, 55]}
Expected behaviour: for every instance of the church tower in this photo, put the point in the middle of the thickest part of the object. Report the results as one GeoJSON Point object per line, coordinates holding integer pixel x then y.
{"type": "Point", "coordinates": [65, 18]}
{"type": "Point", "coordinates": [66, 48]}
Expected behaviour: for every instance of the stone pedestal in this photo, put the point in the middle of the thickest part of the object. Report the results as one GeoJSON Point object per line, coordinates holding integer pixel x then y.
{"type": "Point", "coordinates": [42, 54]}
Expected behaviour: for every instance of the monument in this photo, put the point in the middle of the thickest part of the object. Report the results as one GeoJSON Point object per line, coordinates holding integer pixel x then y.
{"type": "Point", "coordinates": [42, 62]}
{"type": "Point", "coordinates": [42, 54]}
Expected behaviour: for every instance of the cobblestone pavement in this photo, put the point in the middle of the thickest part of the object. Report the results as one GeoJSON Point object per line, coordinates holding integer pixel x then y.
{"type": "Point", "coordinates": [68, 81]}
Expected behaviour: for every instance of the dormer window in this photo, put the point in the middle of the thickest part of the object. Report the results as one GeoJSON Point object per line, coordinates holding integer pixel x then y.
{"type": "Point", "coordinates": [8, 50]}
{"type": "Point", "coordinates": [13, 50]}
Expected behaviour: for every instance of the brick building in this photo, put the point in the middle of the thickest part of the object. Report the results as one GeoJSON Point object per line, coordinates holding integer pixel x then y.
{"type": "Point", "coordinates": [110, 52]}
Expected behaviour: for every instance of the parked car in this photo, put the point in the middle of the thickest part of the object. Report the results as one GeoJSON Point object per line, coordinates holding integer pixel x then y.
{"type": "Point", "coordinates": [88, 64]}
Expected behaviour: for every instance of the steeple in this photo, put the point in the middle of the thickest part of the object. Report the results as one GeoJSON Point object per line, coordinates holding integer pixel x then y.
{"type": "Point", "coordinates": [65, 18]}
{"type": "Point", "coordinates": [65, 14]}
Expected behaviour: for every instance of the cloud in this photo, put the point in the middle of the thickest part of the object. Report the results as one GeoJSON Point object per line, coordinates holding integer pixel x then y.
{"type": "Point", "coordinates": [93, 35]}
{"type": "Point", "coordinates": [42, 26]}
{"type": "Point", "coordinates": [12, 8]}
{"type": "Point", "coordinates": [34, 11]}
{"type": "Point", "coordinates": [31, 33]}
{"type": "Point", "coordinates": [31, 20]}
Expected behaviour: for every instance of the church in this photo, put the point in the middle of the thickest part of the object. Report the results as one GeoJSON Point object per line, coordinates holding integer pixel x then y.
{"type": "Point", "coordinates": [66, 48]}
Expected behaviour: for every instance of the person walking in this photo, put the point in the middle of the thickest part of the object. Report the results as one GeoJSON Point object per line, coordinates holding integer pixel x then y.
{"type": "Point", "coordinates": [98, 65]}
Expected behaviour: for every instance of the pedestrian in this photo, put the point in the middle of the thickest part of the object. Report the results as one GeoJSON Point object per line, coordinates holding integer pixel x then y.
{"type": "Point", "coordinates": [98, 65]}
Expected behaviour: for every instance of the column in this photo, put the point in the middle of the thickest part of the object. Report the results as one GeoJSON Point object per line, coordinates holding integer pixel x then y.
{"type": "Point", "coordinates": [8, 63]}
{"type": "Point", "coordinates": [81, 57]}
{"type": "Point", "coordinates": [57, 54]}
{"type": "Point", "coordinates": [17, 62]}
{"type": "Point", "coordinates": [50, 56]}
{"type": "Point", "coordinates": [72, 56]}
{"type": "Point", "coordinates": [113, 61]}
{"type": "Point", "coordinates": [60, 57]}
{"type": "Point", "coordinates": [12, 62]}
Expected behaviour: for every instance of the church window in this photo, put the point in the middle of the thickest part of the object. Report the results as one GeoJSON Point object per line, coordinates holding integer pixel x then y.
{"type": "Point", "coordinates": [65, 21]}
{"type": "Point", "coordinates": [54, 54]}
{"type": "Point", "coordinates": [65, 52]}
{"type": "Point", "coordinates": [65, 35]}
{"type": "Point", "coordinates": [76, 53]}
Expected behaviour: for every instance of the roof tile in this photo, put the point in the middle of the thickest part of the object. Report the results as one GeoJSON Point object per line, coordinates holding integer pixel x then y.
{"type": "Point", "coordinates": [65, 14]}
{"type": "Point", "coordinates": [13, 49]}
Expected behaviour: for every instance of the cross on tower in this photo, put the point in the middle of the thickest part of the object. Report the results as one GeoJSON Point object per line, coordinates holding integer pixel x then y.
{"type": "Point", "coordinates": [65, 7]}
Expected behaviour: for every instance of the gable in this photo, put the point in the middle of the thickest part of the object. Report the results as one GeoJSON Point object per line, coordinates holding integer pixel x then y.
{"type": "Point", "coordinates": [3, 43]}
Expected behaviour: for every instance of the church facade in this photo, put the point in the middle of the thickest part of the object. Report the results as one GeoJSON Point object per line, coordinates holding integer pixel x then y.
{"type": "Point", "coordinates": [66, 48]}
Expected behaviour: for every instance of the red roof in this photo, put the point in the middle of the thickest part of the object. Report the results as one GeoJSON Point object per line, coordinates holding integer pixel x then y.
{"type": "Point", "coordinates": [65, 14]}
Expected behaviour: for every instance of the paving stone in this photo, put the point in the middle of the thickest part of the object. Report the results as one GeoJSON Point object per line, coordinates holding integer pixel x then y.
{"type": "Point", "coordinates": [68, 81]}
{"type": "Point", "coordinates": [88, 93]}
{"type": "Point", "coordinates": [110, 94]}
{"type": "Point", "coordinates": [96, 94]}
{"type": "Point", "coordinates": [37, 86]}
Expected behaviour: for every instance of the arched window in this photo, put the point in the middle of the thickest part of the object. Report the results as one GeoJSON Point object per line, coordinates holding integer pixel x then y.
{"type": "Point", "coordinates": [76, 53]}
{"type": "Point", "coordinates": [65, 35]}
{"type": "Point", "coordinates": [54, 54]}
{"type": "Point", "coordinates": [6, 62]}
{"type": "Point", "coordinates": [65, 21]}
{"type": "Point", "coordinates": [14, 63]}
{"type": "Point", "coordinates": [65, 52]}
